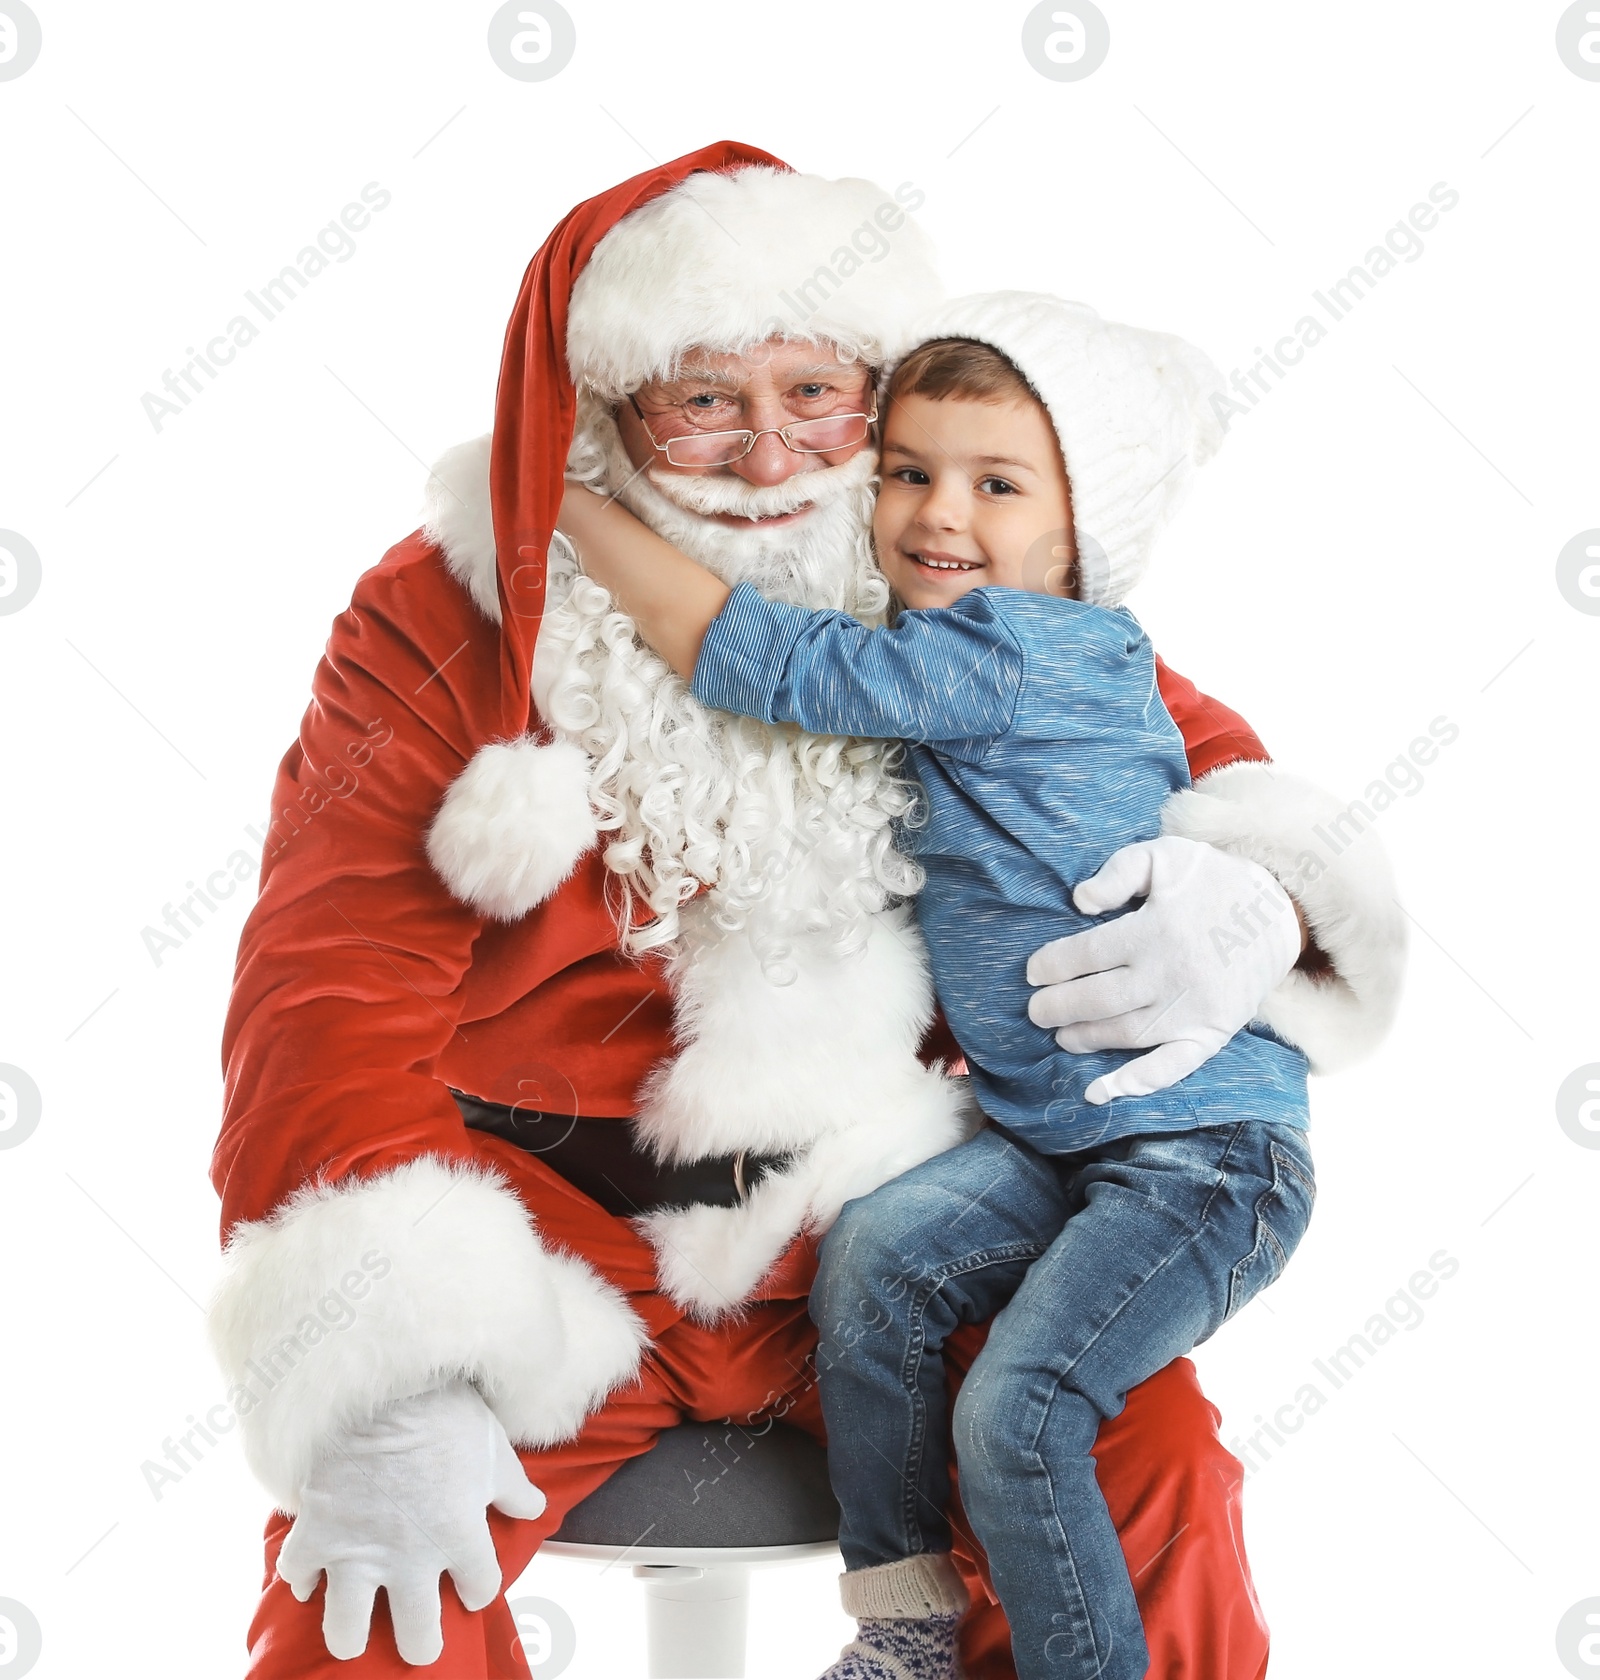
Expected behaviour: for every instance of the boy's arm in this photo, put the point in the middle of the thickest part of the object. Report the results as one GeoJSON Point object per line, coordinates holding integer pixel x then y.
{"type": "Point", "coordinates": [949, 676]}
{"type": "Point", "coordinates": [670, 597]}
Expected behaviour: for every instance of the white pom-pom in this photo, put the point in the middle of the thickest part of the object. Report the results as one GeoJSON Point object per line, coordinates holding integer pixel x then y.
{"type": "Point", "coordinates": [513, 826]}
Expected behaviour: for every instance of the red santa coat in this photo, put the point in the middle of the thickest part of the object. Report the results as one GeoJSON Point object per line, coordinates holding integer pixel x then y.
{"type": "Point", "coordinates": [374, 1243]}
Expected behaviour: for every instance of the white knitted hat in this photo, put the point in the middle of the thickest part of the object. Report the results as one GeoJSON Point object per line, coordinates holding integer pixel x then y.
{"type": "Point", "coordinates": [1131, 408]}
{"type": "Point", "coordinates": [724, 261]}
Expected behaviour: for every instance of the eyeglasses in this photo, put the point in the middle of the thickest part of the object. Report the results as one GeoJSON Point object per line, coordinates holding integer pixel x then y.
{"type": "Point", "coordinates": [720, 449]}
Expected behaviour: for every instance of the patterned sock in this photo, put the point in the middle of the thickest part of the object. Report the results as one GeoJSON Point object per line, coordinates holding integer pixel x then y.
{"type": "Point", "coordinates": [907, 1615]}
{"type": "Point", "coordinates": [921, 1649]}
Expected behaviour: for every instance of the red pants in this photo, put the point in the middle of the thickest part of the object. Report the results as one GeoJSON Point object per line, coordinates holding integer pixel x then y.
{"type": "Point", "coordinates": [1171, 1486]}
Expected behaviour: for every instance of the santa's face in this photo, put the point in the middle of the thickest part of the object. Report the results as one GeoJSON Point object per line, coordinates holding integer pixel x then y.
{"type": "Point", "coordinates": [780, 383]}
{"type": "Point", "coordinates": [795, 521]}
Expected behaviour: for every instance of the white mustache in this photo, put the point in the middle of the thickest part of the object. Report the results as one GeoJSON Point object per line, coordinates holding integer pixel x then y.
{"type": "Point", "coordinates": [811, 488]}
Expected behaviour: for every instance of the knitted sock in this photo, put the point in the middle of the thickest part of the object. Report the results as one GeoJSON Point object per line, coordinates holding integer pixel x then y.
{"type": "Point", "coordinates": [907, 1613]}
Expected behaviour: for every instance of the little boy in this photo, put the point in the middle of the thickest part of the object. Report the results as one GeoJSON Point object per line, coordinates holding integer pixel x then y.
{"type": "Point", "coordinates": [1030, 451]}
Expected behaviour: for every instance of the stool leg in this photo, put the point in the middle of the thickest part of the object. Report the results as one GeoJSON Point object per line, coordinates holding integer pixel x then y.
{"type": "Point", "coordinates": [696, 1621]}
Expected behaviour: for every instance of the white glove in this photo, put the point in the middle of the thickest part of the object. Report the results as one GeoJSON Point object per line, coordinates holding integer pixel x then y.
{"type": "Point", "coordinates": [1184, 973]}
{"type": "Point", "coordinates": [394, 1502]}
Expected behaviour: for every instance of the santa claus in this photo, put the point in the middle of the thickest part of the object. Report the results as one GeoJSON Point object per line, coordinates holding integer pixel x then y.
{"type": "Point", "coordinates": [570, 1012]}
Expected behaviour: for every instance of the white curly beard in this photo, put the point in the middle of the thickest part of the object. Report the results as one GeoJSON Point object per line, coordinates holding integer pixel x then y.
{"type": "Point", "coordinates": [784, 835]}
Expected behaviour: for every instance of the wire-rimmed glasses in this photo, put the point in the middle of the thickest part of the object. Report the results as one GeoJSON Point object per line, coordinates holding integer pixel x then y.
{"type": "Point", "coordinates": [819, 436]}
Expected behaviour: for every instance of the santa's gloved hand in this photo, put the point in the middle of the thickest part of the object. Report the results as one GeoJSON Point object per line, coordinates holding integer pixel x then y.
{"type": "Point", "coordinates": [1177, 977]}
{"type": "Point", "coordinates": [394, 1503]}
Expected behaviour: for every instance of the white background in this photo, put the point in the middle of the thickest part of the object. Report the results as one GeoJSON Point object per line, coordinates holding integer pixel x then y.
{"type": "Point", "coordinates": [1372, 547]}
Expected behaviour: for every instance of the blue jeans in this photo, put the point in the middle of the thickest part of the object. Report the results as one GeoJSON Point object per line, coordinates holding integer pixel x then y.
{"type": "Point", "coordinates": [1099, 1268]}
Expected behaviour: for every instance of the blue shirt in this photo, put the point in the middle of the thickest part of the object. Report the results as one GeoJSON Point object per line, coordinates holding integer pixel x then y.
{"type": "Point", "coordinates": [1042, 744]}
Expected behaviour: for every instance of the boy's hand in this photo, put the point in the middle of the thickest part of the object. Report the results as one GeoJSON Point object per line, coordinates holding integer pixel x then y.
{"type": "Point", "coordinates": [1176, 978]}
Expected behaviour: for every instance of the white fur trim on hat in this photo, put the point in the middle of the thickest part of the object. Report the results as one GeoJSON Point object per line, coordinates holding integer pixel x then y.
{"type": "Point", "coordinates": [513, 825]}
{"type": "Point", "coordinates": [458, 518]}
{"type": "Point", "coordinates": [1336, 869]}
{"type": "Point", "coordinates": [724, 261]}
{"type": "Point", "coordinates": [365, 1291]}
{"type": "Point", "coordinates": [1130, 408]}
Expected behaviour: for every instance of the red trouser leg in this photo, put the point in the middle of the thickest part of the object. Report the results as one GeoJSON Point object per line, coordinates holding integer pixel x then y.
{"type": "Point", "coordinates": [1171, 1486]}
{"type": "Point", "coordinates": [1173, 1491]}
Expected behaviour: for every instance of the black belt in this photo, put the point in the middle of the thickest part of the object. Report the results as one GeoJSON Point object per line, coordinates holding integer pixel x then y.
{"type": "Point", "coordinates": [605, 1160]}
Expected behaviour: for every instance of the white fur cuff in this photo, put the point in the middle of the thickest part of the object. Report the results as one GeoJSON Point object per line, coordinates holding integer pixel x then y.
{"type": "Point", "coordinates": [1336, 869]}
{"type": "Point", "coordinates": [358, 1293]}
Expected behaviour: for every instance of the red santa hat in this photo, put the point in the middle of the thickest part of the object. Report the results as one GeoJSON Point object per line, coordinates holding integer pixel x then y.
{"type": "Point", "coordinates": [721, 249]}
{"type": "Point", "coordinates": [726, 261]}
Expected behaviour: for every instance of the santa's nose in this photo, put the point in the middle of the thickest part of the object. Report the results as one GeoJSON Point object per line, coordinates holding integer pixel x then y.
{"type": "Point", "coordinates": [771, 461]}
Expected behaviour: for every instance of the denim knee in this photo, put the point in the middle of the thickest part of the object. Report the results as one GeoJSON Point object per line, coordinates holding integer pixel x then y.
{"type": "Point", "coordinates": [860, 1270]}
{"type": "Point", "coordinates": [983, 1432]}
{"type": "Point", "coordinates": [996, 1420]}
{"type": "Point", "coordinates": [967, 1423]}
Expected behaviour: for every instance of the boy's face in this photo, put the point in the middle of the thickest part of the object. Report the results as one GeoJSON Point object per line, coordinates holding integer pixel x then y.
{"type": "Point", "coordinates": [973, 493]}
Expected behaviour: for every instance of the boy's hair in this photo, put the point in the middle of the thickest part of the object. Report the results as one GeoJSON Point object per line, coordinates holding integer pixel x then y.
{"type": "Point", "coordinates": [962, 368]}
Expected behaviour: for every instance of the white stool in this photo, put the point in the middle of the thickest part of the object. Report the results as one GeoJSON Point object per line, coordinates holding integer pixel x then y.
{"type": "Point", "coordinates": [694, 1515]}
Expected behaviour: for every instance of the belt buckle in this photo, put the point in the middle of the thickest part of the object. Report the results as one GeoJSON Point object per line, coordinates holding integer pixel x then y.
{"type": "Point", "coordinates": [740, 1189]}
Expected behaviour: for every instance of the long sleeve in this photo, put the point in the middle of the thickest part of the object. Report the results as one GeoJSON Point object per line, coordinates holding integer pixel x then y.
{"type": "Point", "coordinates": [953, 674]}
{"type": "Point", "coordinates": [372, 1249]}
{"type": "Point", "coordinates": [349, 970]}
